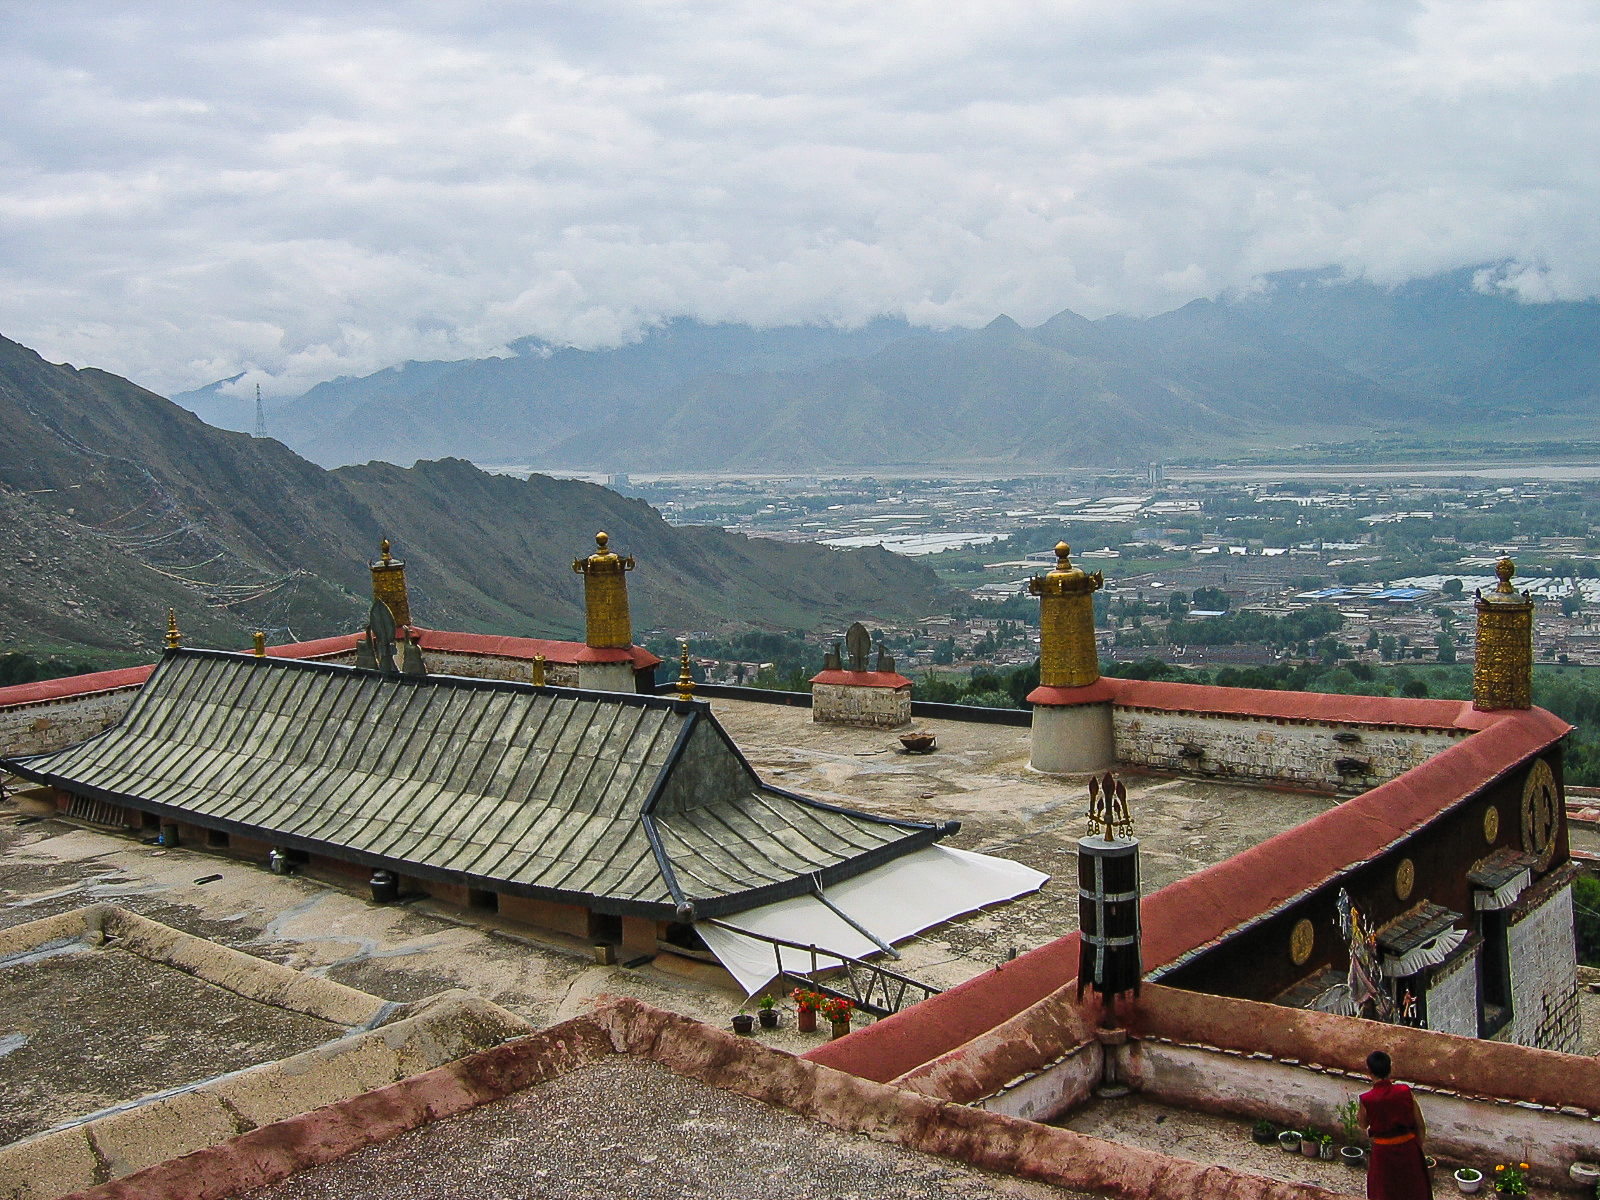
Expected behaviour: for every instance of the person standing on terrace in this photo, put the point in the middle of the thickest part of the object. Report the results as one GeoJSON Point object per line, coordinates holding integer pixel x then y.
{"type": "Point", "coordinates": [1397, 1168]}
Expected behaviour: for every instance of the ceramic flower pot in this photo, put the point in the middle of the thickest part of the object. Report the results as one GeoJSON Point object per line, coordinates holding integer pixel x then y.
{"type": "Point", "coordinates": [1468, 1181]}
{"type": "Point", "coordinates": [805, 1020]}
{"type": "Point", "coordinates": [1310, 1147]}
{"type": "Point", "coordinates": [1585, 1174]}
{"type": "Point", "coordinates": [840, 1028]}
{"type": "Point", "coordinates": [1352, 1156]}
{"type": "Point", "coordinates": [768, 1018]}
{"type": "Point", "coordinates": [744, 1024]}
{"type": "Point", "coordinates": [1325, 1150]}
{"type": "Point", "coordinates": [1289, 1141]}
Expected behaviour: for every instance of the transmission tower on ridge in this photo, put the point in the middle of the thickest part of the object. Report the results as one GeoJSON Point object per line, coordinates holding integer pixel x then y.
{"type": "Point", "coordinates": [261, 415]}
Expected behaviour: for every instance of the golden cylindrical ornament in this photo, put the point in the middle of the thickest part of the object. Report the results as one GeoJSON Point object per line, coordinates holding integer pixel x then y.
{"type": "Point", "coordinates": [389, 586]}
{"type": "Point", "coordinates": [607, 624]}
{"type": "Point", "coordinates": [1068, 657]}
{"type": "Point", "coordinates": [1502, 670]}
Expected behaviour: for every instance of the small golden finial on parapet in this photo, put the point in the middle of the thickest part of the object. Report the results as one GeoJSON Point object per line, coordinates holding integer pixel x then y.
{"type": "Point", "coordinates": [383, 551]}
{"type": "Point", "coordinates": [538, 670]}
{"type": "Point", "coordinates": [1109, 817]}
{"type": "Point", "coordinates": [261, 644]}
{"type": "Point", "coordinates": [685, 676]}
{"type": "Point", "coordinates": [174, 638]}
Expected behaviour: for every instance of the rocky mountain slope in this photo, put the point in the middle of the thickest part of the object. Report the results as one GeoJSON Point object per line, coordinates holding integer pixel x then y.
{"type": "Point", "coordinates": [116, 504]}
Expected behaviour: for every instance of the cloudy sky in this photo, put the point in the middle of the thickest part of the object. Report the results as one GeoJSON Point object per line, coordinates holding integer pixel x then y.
{"type": "Point", "coordinates": [307, 190]}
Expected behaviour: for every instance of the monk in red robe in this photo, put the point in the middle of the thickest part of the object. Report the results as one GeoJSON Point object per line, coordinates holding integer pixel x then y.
{"type": "Point", "coordinates": [1396, 1168]}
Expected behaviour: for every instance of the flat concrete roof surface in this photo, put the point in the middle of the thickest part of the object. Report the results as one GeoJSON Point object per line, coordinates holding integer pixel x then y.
{"type": "Point", "coordinates": [1220, 1140]}
{"type": "Point", "coordinates": [979, 775]}
{"type": "Point", "coordinates": [625, 1127]}
{"type": "Point", "coordinates": [83, 1029]}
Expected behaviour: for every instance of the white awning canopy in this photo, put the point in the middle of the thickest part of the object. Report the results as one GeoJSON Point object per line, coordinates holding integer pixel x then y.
{"type": "Point", "coordinates": [893, 902]}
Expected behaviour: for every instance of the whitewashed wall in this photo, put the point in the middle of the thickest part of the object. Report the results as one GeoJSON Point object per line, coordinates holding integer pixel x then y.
{"type": "Point", "coordinates": [840, 704]}
{"type": "Point", "coordinates": [1544, 977]}
{"type": "Point", "coordinates": [1257, 748]}
{"type": "Point", "coordinates": [1453, 997]}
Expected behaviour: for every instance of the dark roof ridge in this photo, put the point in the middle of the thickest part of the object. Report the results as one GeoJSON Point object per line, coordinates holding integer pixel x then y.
{"type": "Point", "coordinates": [469, 682]}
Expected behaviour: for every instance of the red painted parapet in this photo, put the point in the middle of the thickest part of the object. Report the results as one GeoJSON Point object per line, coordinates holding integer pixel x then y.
{"type": "Point", "coordinates": [982, 1139]}
{"type": "Point", "coordinates": [1210, 904]}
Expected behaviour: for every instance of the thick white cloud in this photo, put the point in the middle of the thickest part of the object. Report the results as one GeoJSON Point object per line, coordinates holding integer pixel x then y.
{"type": "Point", "coordinates": [305, 190]}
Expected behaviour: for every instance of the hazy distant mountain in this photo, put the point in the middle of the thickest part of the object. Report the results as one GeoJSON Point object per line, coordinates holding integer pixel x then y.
{"type": "Point", "coordinates": [507, 409]}
{"type": "Point", "coordinates": [1307, 358]}
{"type": "Point", "coordinates": [116, 504]}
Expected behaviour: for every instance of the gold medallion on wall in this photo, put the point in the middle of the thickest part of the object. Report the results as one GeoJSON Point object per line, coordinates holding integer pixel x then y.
{"type": "Point", "coordinates": [1405, 879]}
{"type": "Point", "coordinates": [1541, 815]}
{"type": "Point", "coordinates": [1301, 942]}
{"type": "Point", "coordinates": [1491, 824]}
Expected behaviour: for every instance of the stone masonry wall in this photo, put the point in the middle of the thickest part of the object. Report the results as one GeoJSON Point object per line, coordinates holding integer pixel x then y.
{"type": "Point", "coordinates": [1544, 976]}
{"type": "Point", "coordinates": [1257, 748]}
{"type": "Point", "coordinates": [1453, 997]}
{"type": "Point", "coordinates": [47, 725]}
{"type": "Point", "coordinates": [54, 724]}
{"type": "Point", "coordinates": [484, 666]}
{"type": "Point", "coordinates": [881, 708]}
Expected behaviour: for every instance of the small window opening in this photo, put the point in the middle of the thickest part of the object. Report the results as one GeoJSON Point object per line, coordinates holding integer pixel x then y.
{"type": "Point", "coordinates": [217, 838]}
{"type": "Point", "coordinates": [483, 900]}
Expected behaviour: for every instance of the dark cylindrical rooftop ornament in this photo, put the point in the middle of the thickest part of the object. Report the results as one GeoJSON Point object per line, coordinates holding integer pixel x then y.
{"type": "Point", "coordinates": [1108, 894]}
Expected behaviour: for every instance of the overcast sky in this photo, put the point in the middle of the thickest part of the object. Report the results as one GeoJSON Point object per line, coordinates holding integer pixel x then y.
{"type": "Point", "coordinates": [307, 190]}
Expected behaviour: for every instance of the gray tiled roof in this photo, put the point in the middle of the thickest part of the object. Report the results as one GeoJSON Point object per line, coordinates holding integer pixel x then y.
{"type": "Point", "coordinates": [629, 804]}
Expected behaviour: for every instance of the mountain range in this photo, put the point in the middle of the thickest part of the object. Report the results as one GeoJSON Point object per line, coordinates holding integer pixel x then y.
{"type": "Point", "coordinates": [116, 504]}
{"type": "Point", "coordinates": [1306, 358]}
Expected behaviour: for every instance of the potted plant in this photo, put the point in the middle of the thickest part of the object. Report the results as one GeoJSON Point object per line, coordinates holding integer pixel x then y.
{"type": "Point", "coordinates": [1325, 1147]}
{"type": "Point", "coordinates": [1352, 1156]}
{"type": "Point", "coordinates": [837, 1010]}
{"type": "Point", "coordinates": [1310, 1144]}
{"type": "Point", "coordinates": [743, 1023]}
{"type": "Point", "coordinates": [1264, 1133]}
{"type": "Point", "coordinates": [1468, 1181]}
{"type": "Point", "coordinates": [806, 1004]}
{"type": "Point", "coordinates": [1350, 1121]}
{"type": "Point", "coordinates": [1511, 1179]}
{"type": "Point", "coordinates": [767, 1011]}
{"type": "Point", "coordinates": [1289, 1141]}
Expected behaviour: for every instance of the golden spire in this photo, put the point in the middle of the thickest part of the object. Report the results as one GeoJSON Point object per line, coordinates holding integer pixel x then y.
{"type": "Point", "coordinates": [261, 644]}
{"type": "Point", "coordinates": [1067, 654]}
{"type": "Point", "coordinates": [389, 585]}
{"type": "Point", "coordinates": [1502, 668]}
{"type": "Point", "coordinates": [174, 638]}
{"type": "Point", "coordinates": [538, 670]}
{"type": "Point", "coordinates": [685, 676]}
{"type": "Point", "coordinates": [607, 623]}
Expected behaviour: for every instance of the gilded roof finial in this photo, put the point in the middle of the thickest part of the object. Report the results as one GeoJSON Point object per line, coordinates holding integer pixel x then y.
{"type": "Point", "coordinates": [1062, 562]}
{"type": "Point", "coordinates": [383, 551]}
{"type": "Point", "coordinates": [1109, 817]}
{"type": "Point", "coordinates": [174, 638]}
{"type": "Point", "coordinates": [1504, 570]}
{"type": "Point", "coordinates": [685, 676]}
{"type": "Point", "coordinates": [261, 644]}
{"type": "Point", "coordinates": [538, 670]}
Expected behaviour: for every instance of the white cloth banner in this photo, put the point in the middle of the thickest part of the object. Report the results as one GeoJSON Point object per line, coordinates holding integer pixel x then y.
{"type": "Point", "coordinates": [895, 901]}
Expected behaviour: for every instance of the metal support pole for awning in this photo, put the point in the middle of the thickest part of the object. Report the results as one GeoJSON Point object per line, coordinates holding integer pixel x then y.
{"type": "Point", "coordinates": [816, 890]}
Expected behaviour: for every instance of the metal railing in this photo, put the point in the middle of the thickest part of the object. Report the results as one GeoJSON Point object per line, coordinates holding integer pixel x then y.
{"type": "Point", "coordinates": [871, 988]}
